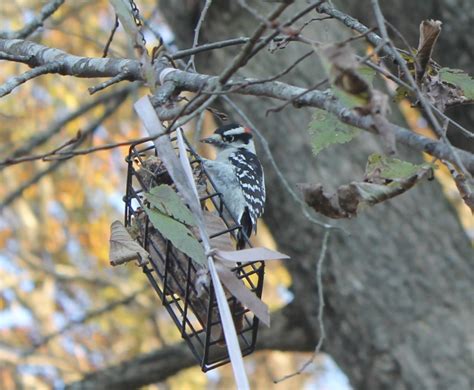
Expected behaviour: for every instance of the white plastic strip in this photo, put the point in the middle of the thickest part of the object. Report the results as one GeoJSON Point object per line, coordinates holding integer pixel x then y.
{"type": "Point", "coordinates": [183, 157]}
{"type": "Point", "coordinates": [250, 254]}
{"type": "Point", "coordinates": [230, 333]}
{"type": "Point", "coordinates": [165, 72]}
{"type": "Point", "coordinates": [228, 325]}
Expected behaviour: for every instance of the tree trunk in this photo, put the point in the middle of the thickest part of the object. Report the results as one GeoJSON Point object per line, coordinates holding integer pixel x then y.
{"type": "Point", "coordinates": [398, 289]}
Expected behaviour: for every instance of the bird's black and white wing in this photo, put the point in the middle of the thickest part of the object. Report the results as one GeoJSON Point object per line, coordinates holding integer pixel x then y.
{"type": "Point", "coordinates": [249, 173]}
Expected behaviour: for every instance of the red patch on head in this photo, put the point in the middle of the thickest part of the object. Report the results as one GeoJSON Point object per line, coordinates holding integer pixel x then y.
{"type": "Point", "coordinates": [248, 130]}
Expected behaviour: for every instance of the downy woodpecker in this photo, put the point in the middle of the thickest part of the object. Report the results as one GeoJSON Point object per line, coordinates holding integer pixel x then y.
{"type": "Point", "coordinates": [238, 176]}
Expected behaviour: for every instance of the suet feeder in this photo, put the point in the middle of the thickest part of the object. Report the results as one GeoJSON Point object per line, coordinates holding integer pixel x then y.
{"type": "Point", "coordinates": [182, 285]}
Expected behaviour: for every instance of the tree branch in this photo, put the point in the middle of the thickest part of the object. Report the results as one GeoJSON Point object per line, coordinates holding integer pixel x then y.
{"type": "Point", "coordinates": [107, 67]}
{"type": "Point", "coordinates": [284, 335]}
{"type": "Point", "coordinates": [138, 372]}
{"type": "Point", "coordinates": [324, 100]}
{"type": "Point", "coordinates": [11, 197]}
{"type": "Point", "coordinates": [354, 24]}
{"type": "Point", "coordinates": [34, 54]}
{"type": "Point", "coordinates": [124, 301]}
{"type": "Point", "coordinates": [13, 82]}
{"type": "Point", "coordinates": [43, 136]}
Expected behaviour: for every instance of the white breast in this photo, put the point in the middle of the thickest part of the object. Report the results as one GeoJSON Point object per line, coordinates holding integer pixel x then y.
{"type": "Point", "coordinates": [225, 181]}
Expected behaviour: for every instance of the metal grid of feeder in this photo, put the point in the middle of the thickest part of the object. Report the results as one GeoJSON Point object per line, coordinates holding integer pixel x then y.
{"type": "Point", "coordinates": [175, 277]}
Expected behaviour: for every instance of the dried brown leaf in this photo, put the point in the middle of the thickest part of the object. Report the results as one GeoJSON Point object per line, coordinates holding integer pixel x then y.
{"type": "Point", "coordinates": [441, 94]}
{"type": "Point", "coordinates": [429, 32]}
{"type": "Point", "coordinates": [323, 202]}
{"type": "Point", "coordinates": [123, 248]}
{"type": "Point", "coordinates": [246, 297]}
{"type": "Point", "coordinates": [348, 199]}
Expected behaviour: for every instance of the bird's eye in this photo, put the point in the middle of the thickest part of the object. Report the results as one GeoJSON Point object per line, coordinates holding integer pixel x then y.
{"type": "Point", "coordinates": [230, 138]}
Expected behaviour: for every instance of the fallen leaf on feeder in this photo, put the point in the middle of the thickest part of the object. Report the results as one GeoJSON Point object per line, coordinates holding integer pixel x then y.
{"type": "Point", "coordinates": [178, 233]}
{"type": "Point", "coordinates": [123, 247]}
{"type": "Point", "coordinates": [167, 201]}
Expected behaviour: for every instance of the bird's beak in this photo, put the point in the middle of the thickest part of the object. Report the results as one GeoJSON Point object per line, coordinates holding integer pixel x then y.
{"type": "Point", "coordinates": [213, 139]}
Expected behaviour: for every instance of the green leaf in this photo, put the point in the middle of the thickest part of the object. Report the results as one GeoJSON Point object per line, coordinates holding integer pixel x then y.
{"type": "Point", "coordinates": [349, 100]}
{"type": "Point", "coordinates": [391, 168]}
{"type": "Point", "coordinates": [460, 79]}
{"type": "Point", "coordinates": [401, 93]}
{"type": "Point", "coordinates": [409, 58]}
{"type": "Point", "coordinates": [179, 235]}
{"type": "Point", "coordinates": [167, 201]}
{"type": "Point", "coordinates": [327, 130]}
{"type": "Point", "coordinates": [367, 73]}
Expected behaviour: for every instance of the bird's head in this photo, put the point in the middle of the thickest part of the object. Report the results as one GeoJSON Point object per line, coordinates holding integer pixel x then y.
{"type": "Point", "coordinates": [233, 135]}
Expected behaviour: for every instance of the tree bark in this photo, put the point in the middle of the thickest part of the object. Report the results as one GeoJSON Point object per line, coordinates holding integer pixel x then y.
{"type": "Point", "coordinates": [398, 297]}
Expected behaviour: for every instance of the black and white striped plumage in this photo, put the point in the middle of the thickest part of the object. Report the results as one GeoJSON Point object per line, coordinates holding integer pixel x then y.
{"type": "Point", "coordinates": [238, 175]}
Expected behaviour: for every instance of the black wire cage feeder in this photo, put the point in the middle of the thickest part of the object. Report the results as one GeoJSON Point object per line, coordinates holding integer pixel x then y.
{"type": "Point", "coordinates": [182, 285]}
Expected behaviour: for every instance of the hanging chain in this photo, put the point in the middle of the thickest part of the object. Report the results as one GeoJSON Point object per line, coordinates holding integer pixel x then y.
{"type": "Point", "coordinates": [135, 14]}
{"type": "Point", "coordinates": [137, 20]}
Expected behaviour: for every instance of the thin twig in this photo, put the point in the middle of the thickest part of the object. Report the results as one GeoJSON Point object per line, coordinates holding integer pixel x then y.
{"type": "Point", "coordinates": [86, 317]}
{"type": "Point", "coordinates": [400, 35]}
{"type": "Point", "coordinates": [197, 30]}
{"type": "Point", "coordinates": [217, 45]}
{"type": "Point", "coordinates": [278, 75]}
{"type": "Point", "coordinates": [16, 81]}
{"type": "Point", "coordinates": [353, 24]}
{"type": "Point", "coordinates": [464, 131]}
{"type": "Point", "coordinates": [319, 281]}
{"type": "Point", "coordinates": [114, 80]}
{"type": "Point", "coordinates": [295, 98]}
{"type": "Point", "coordinates": [64, 155]}
{"type": "Point", "coordinates": [12, 196]}
{"type": "Point", "coordinates": [245, 53]}
{"type": "Point", "coordinates": [234, 87]}
{"type": "Point", "coordinates": [292, 35]}
{"type": "Point", "coordinates": [43, 136]}
{"type": "Point", "coordinates": [47, 10]}
{"type": "Point", "coordinates": [111, 37]}
{"type": "Point", "coordinates": [322, 332]}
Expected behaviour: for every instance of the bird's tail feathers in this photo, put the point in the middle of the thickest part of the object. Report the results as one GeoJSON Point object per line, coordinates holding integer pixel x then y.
{"type": "Point", "coordinates": [244, 233]}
